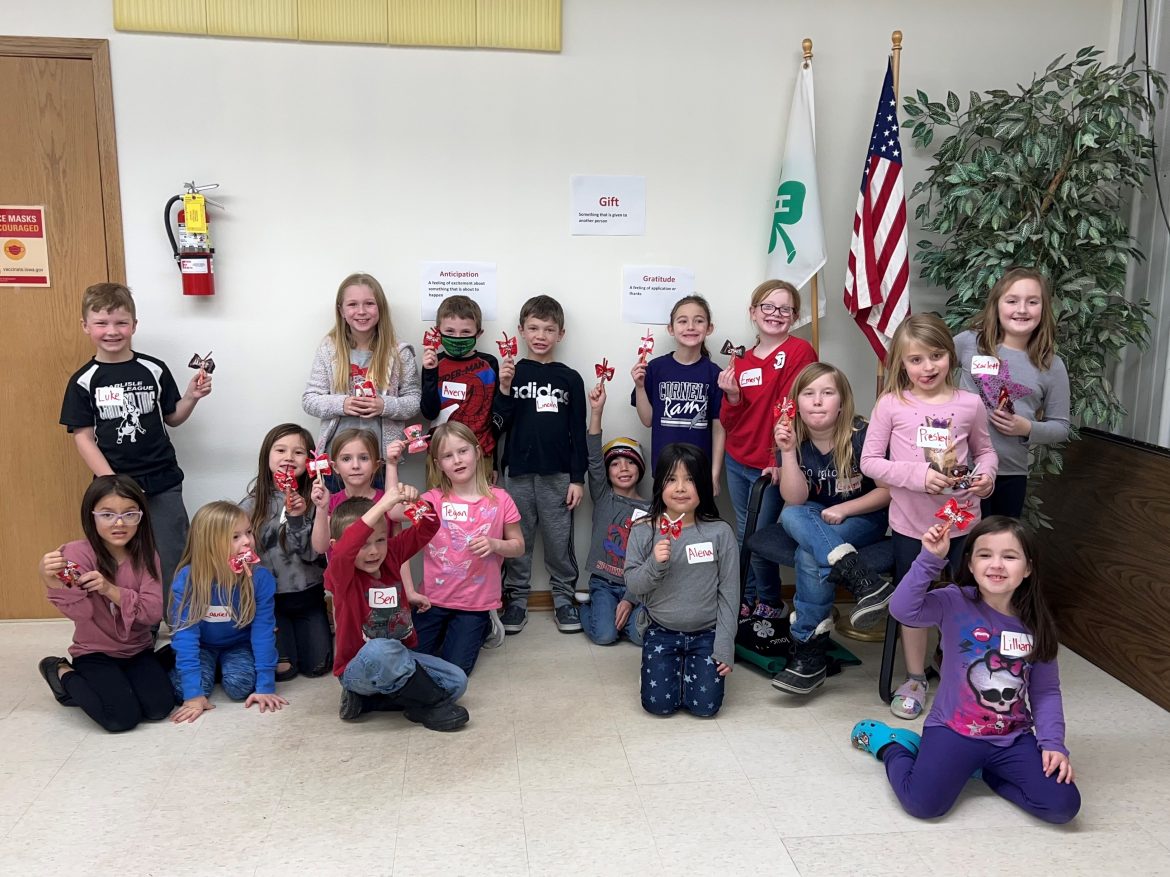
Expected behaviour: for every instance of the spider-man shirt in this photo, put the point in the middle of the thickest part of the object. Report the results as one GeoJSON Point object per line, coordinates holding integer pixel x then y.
{"type": "Point", "coordinates": [462, 390]}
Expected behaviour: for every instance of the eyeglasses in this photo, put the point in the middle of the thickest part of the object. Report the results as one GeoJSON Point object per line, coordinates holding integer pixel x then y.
{"type": "Point", "coordinates": [783, 310]}
{"type": "Point", "coordinates": [131, 518]}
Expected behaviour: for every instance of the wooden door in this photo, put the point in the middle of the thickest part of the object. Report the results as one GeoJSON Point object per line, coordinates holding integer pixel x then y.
{"type": "Point", "coordinates": [57, 149]}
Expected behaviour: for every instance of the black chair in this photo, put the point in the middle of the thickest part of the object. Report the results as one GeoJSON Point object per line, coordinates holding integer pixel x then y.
{"type": "Point", "coordinates": [775, 545]}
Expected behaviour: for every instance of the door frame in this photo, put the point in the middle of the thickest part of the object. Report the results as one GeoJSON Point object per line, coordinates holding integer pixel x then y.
{"type": "Point", "coordinates": [97, 52]}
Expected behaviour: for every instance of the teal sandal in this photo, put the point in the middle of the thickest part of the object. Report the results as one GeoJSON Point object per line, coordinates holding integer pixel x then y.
{"type": "Point", "coordinates": [870, 735]}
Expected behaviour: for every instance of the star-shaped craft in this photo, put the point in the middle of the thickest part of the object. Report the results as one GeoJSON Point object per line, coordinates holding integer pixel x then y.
{"type": "Point", "coordinates": [1000, 391]}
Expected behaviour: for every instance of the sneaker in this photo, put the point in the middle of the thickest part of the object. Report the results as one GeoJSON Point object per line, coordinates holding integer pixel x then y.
{"type": "Point", "coordinates": [50, 670]}
{"type": "Point", "coordinates": [909, 700]}
{"type": "Point", "coordinates": [514, 618]}
{"type": "Point", "coordinates": [872, 736]}
{"type": "Point", "coordinates": [581, 595]}
{"type": "Point", "coordinates": [808, 664]}
{"type": "Point", "coordinates": [496, 634]}
{"type": "Point", "coordinates": [568, 621]}
{"type": "Point", "coordinates": [871, 591]}
{"type": "Point", "coordinates": [351, 705]}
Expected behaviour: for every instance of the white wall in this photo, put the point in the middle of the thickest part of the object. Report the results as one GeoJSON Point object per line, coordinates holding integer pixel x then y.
{"type": "Point", "coordinates": [339, 158]}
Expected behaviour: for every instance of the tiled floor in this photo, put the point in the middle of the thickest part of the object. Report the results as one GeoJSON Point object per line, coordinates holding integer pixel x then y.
{"type": "Point", "coordinates": [559, 772]}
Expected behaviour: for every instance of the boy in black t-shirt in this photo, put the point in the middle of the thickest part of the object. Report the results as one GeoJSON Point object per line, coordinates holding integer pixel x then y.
{"type": "Point", "coordinates": [118, 407]}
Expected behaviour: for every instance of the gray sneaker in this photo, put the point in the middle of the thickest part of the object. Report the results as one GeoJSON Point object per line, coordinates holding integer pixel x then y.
{"type": "Point", "coordinates": [568, 621]}
{"type": "Point", "coordinates": [496, 634]}
{"type": "Point", "coordinates": [513, 618]}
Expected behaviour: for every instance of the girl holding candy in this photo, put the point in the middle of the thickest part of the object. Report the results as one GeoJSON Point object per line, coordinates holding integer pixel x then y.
{"type": "Point", "coordinates": [362, 376]}
{"type": "Point", "coordinates": [222, 615]}
{"type": "Point", "coordinates": [1008, 358]}
{"type": "Point", "coordinates": [927, 439]}
{"type": "Point", "coordinates": [683, 562]}
{"type": "Point", "coordinates": [677, 395]}
{"type": "Point", "coordinates": [282, 521]}
{"type": "Point", "coordinates": [108, 584]}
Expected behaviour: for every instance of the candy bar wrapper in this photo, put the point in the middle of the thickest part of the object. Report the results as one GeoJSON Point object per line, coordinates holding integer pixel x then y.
{"type": "Point", "coordinates": [416, 441]}
{"type": "Point", "coordinates": [955, 515]}
{"type": "Point", "coordinates": [785, 410]}
{"type": "Point", "coordinates": [202, 363]}
{"type": "Point", "coordinates": [432, 340]}
{"type": "Point", "coordinates": [70, 576]}
{"type": "Point", "coordinates": [733, 350]}
{"type": "Point", "coordinates": [508, 347]}
{"type": "Point", "coordinates": [418, 511]}
{"type": "Point", "coordinates": [243, 560]}
{"type": "Point", "coordinates": [319, 464]}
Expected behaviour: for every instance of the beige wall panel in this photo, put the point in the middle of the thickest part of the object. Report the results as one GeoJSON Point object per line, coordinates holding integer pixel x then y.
{"type": "Point", "coordinates": [432, 22]}
{"type": "Point", "coordinates": [519, 24]}
{"type": "Point", "coordinates": [269, 19]}
{"type": "Point", "coordinates": [164, 16]}
{"type": "Point", "coordinates": [342, 21]}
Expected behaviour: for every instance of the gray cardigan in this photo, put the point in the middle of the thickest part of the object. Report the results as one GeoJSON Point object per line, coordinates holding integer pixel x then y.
{"type": "Point", "coordinates": [401, 398]}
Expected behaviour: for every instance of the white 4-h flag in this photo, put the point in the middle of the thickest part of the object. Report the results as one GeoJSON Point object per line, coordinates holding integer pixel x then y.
{"type": "Point", "coordinates": [796, 249]}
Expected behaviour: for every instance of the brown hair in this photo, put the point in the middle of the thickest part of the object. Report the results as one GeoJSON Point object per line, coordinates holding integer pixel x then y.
{"type": "Point", "coordinates": [847, 424]}
{"type": "Point", "coordinates": [263, 487]}
{"type": "Point", "coordinates": [543, 307]}
{"type": "Point", "coordinates": [989, 333]}
{"type": "Point", "coordinates": [694, 299]}
{"type": "Point", "coordinates": [926, 329]}
{"type": "Point", "coordinates": [461, 308]}
{"type": "Point", "coordinates": [107, 297]}
{"type": "Point", "coordinates": [766, 288]}
{"type": "Point", "coordinates": [141, 547]}
{"type": "Point", "coordinates": [347, 513]}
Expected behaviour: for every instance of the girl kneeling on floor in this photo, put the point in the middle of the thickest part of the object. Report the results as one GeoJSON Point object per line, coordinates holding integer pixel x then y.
{"type": "Point", "coordinates": [683, 562]}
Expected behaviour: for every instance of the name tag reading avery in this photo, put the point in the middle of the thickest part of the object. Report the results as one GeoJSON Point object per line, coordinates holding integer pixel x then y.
{"type": "Point", "coordinates": [454, 390]}
{"type": "Point", "coordinates": [751, 377]}
{"type": "Point", "coordinates": [218, 614]}
{"type": "Point", "coordinates": [546, 403]}
{"type": "Point", "coordinates": [455, 511]}
{"type": "Point", "coordinates": [383, 598]}
{"type": "Point", "coordinates": [938, 437]}
{"type": "Point", "coordinates": [984, 365]}
{"type": "Point", "coordinates": [701, 552]}
{"type": "Point", "coordinates": [1013, 644]}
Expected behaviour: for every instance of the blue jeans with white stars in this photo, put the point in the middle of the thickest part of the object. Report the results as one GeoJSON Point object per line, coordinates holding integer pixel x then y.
{"type": "Point", "coordinates": [678, 671]}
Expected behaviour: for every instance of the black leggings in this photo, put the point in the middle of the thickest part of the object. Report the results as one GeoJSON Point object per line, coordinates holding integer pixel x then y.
{"type": "Point", "coordinates": [303, 637]}
{"type": "Point", "coordinates": [118, 693]}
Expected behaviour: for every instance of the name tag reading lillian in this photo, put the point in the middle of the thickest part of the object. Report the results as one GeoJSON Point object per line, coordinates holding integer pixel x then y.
{"type": "Point", "coordinates": [383, 598]}
{"type": "Point", "coordinates": [1013, 644]}
{"type": "Point", "coordinates": [701, 552]}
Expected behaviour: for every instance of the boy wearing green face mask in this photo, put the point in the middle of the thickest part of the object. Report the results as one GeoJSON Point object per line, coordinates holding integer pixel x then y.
{"type": "Point", "coordinates": [459, 382]}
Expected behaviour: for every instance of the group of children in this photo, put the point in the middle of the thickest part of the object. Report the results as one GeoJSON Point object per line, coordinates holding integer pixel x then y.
{"type": "Point", "coordinates": [509, 458]}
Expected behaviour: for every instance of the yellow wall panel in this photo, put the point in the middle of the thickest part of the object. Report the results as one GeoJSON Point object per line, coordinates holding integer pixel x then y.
{"type": "Point", "coordinates": [342, 21]}
{"type": "Point", "coordinates": [519, 24]}
{"type": "Point", "coordinates": [272, 19]}
{"type": "Point", "coordinates": [432, 22]}
{"type": "Point", "coordinates": [164, 16]}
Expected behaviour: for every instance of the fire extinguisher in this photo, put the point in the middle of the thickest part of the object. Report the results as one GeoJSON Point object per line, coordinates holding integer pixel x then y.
{"type": "Point", "coordinates": [193, 250]}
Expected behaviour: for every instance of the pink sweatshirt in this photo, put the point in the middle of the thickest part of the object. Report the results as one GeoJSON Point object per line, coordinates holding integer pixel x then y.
{"type": "Point", "coordinates": [101, 625]}
{"type": "Point", "coordinates": [917, 436]}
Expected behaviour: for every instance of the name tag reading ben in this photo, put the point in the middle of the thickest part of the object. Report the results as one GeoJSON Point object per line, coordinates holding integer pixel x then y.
{"type": "Point", "coordinates": [938, 437]}
{"type": "Point", "coordinates": [383, 598]}
{"type": "Point", "coordinates": [546, 403]}
{"type": "Point", "coordinates": [751, 377]}
{"type": "Point", "coordinates": [453, 390]}
{"type": "Point", "coordinates": [984, 365]}
{"type": "Point", "coordinates": [455, 511]}
{"type": "Point", "coordinates": [217, 614]}
{"type": "Point", "coordinates": [701, 552]}
{"type": "Point", "coordinates": [1013, 644]}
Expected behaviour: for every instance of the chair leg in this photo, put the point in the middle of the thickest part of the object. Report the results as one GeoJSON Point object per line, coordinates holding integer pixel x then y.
{"type": "Point", "coordinates": [889, 652]}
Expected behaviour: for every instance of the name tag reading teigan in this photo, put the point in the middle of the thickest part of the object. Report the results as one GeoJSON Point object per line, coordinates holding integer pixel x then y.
{"type": "Point", "coordinates": [701, 552]}
{"type": "Point", "coordinates": [455, 511]}
{"type": "Point", "coordinates": [383, 598]}
{"type": "Point", "coordinates": [218, 613]}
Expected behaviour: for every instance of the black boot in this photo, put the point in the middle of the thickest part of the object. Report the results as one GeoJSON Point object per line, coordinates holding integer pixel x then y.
{"type": "Point", "coordinates": [352, 705]}
{"type": "Point", "coordinates": [763, 629]}
{"type": "Point", "coordinates": [808, 663]}
{"type": "Point", "coordinates": [427, 704]}
{"type": "Point", "coordinates": [870, 590]}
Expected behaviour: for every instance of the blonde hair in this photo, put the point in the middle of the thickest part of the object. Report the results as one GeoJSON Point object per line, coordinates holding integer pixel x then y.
{"type": "Point", "coordinates": [436, 477]}
{"type": "Point", "coordinates": [846, 425]}
{"type": "Point", "coordinates": [385, 361]}
{"type": "Point", "coordinates": [927, 330]}
{"type": "Point", "coordinates": [208, 550]}
{"type": "Point", "coordinates": [768, 287]}
{"type": "Point", "coordinates": [989, 333]}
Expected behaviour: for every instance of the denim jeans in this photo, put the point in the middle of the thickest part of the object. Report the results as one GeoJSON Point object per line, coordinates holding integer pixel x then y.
{"type": "Point", "coordinates": [679, 671]}
{"type": "Point", "coordinates": [382, 666]}
{"type": "Point", "coordinates": [814, 540]}
{"type": "Point", "coordinates": [598, 615]}
{"type": "Point", "coordinates": [237, 669]}
{"type": "Point", "coordinates": [763, 579]}
{"type": "Point", "coordinates": [455, 635]}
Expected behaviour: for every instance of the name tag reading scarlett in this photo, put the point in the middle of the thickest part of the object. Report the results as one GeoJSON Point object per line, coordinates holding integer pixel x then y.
{"type": "Point", "coordinates": [984, 365]}
{"type": "Point", "coordinates": [751, 377]}
{"type": "Point", "coordinates": [546, 403]}
{"type": "Point", "coordinates": [701, 552]}
{"type": "Point", "coordinates": [218, 613]}
{"type": "Point", "coordinates": [1015, 645]}
{"type": "Point", "coordinates": [453, 390]}
{"type": "Point", "coordinates": [454, 511]}
{"type": "Point", "coordinates": [383, 598]}
{"type": "Point", "coordinates": [934, 437]}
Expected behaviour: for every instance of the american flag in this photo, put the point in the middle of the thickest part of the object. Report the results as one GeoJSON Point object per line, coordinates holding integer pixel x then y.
{"type": "Point", "coordinates": [879, 263]}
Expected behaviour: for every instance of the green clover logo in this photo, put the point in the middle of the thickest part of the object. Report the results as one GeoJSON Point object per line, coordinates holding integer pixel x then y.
{"type": "Point", "coordinates": [789, 210]}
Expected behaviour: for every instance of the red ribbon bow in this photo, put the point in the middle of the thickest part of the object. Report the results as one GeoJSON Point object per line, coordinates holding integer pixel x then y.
{"type": "Point", "coordinates": [730, 349]}
{"type": "Point", "coordinates": [240, 562]}
{"type": "Point", "coordinates": [508, 347]}
{"type": "Point", "coordinates": [955, 514]}
{"type": "Point", "coordinates": [418, 511]}
{"type": "Point", "coordinates": [69, 576]}
{"type": "Point", "coordinates": [417, 442]}
{"type": "Point", "coordinates": [319, 464]}
{"type": "Point", "coordinates": [432, 340]}
{"type": "Point", "coordinates": [285, 480]}
{"type": "Point", "coordinates": [667, 527]}
{"type": "Point", "coordinates": [785, 408]}
{"type": "Point", "coordinates": [604, 370]}
{"type": "Point", "coordinates": [647, 345]}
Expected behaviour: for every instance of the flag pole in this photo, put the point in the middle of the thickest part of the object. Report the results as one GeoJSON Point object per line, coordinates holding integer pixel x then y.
{"type": "Point", "coordinates": [895, 64]}
{"type": "Point", "coordinates": [806, 47]}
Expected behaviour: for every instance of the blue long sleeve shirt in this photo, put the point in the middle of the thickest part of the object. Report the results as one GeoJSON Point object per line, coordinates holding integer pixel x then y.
{"type": "Point", "coordinates": [217, 631]}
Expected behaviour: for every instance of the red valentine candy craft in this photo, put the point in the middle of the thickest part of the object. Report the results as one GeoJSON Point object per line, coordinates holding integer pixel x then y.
{"type": "Point", "coordinates": [667, 527]}
{"type": "Point", "coordinates": [955, 514]}
{"type": "Point", "coordinates": [418, 511]}
{"type": "Point", "coordinates": [318, 465]}
{"type": "Point", "coordinates": [241, 561]}
{"type": "Point", "coordinates": [647, 346]}
{"type": "Point", "coordinates": [432, 340]}
{"type": "Point", "coordinates": [604, 370]}
{"type": "Point", "coordinates": [785, 409]}
{"type": "Point", "coordinates": [69, 576]}
{"type": "Point", "coordinates": [508, 347]}
{"type": "Point", "coordinates": [417, 442]}
{"type": "Point", "coordinates": [284, 479]}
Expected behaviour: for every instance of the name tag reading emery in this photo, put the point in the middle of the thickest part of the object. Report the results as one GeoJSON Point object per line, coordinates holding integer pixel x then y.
{"type": "Point", "coordinates": [751, 377]}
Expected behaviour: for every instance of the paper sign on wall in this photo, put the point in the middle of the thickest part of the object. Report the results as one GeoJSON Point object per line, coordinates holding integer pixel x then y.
{"type": "Point", "coordinates": [476, 280]}
{"type": "Point", "coordinates": [24, 248]}
{"type": "Point", "coordinates": [650, 291]}
{"type": "Point", "coordinates": [607, 205]}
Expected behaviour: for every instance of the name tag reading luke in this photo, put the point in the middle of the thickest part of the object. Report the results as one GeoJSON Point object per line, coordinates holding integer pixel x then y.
{"type": "Point", "coordinates": [934, 437]}
{"type": "Point", "coordinates": [701, 552]}
{"type": "Point", "coordinates": [984, 365]}
{"type": "Point", "coordinates": [383, 598]}
{"type": "Point", "coordinates": [108, 395]}
{"type": "Point", "coordinates": [455, 511]}
{"type": "Point", "coordinates": [751, 377]}
{"type": "Point", "coordinates": [546, 403]}
{"type": "Point", "coordinates": [454, 390]}
{"type": "Point", "coordinates": [217, 614]}
{"type": "Point", "coordinates": [1015, 645]}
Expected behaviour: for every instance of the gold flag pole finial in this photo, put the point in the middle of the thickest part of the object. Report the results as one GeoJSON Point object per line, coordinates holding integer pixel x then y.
{"type": "Point", "coordinates": [896, 52]}
{"type": "Point", "coordinates": [806, 45]}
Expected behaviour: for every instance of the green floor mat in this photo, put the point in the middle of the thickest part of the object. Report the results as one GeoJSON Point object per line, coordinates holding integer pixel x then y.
{"type": "Point", "coordinates": [839, 657]}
